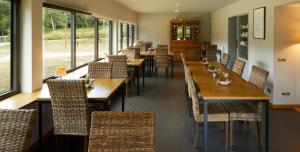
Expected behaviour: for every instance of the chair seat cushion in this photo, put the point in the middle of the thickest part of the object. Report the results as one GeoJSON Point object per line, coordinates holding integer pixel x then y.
{"type": "Point", "coordinates": [242, 111]}
{"type": "Point", "coordinates": [216, 113]}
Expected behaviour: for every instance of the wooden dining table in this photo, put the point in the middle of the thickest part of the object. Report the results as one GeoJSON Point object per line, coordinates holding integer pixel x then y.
{"type": "Point", "coordinates": [138, 65]}
{"type": "Point", "coordinates": [149, 55]}
{"type": "Point", "coordinates": [101, 92]}
{"type": "Point", "coordinates": [239, 91]}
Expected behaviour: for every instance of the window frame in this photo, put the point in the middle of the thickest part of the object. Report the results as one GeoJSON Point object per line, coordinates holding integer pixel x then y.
{"type": "Point", "coordinates": [14, 51]}
{"type": "Point", "coordinates": [73, 12]}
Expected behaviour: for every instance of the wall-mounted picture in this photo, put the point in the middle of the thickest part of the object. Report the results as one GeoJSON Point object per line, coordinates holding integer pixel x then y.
{"type": "Point", "coordinates": [259, 23]}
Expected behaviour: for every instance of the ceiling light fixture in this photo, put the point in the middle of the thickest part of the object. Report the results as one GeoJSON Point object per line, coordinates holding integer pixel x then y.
{"type": "Point", "coordinates": [178, 4]}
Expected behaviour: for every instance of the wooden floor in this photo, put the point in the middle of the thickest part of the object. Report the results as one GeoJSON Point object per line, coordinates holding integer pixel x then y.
{"type": "Point", "coordinates": [174, 133]}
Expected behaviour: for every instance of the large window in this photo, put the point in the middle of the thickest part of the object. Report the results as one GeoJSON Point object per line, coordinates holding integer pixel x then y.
{"type": "Point", "coordinates": [56, 40]}
{"type": "Point", "coordinates": [8, 48]}
{"type": "Point", "coordinates": [70, 38]}
{"type": "Point", "coordinates": [104, 37]}
{"type": "Point", "coordinates": [85, 39]}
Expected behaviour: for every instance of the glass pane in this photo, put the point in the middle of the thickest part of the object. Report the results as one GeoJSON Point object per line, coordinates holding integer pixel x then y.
{"type": "Point", "coordinates": [56, 40]}
{"type": "Point", "coordinates": [124, 36]}
{"type": "Point", "coordinates": [5, 30]}
{"type": "Point", "coordinates": [119, 36]}
{"type": "Point", "coordinates": [85, 39]}
{"type": "Point", "coordinates": [130, 35]}
{"type": "Point", "coordinates": [103, 38]}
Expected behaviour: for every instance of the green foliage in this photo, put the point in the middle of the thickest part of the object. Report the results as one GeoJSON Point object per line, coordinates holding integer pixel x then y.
{"type": "Point", "coordinates": [5, 17]}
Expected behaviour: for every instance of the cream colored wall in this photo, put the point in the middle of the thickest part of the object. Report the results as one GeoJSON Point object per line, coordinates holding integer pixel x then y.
{"type": "Point", "coordinates": [156, 27]}
{"type": "Point", "coordinates": [261, 52]}
{"type": "Point", "coordinates": [287, 46]}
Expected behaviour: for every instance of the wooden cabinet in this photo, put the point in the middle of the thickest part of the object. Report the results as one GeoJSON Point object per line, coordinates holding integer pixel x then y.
{"type": "Point", "coordinates": [185, 38]}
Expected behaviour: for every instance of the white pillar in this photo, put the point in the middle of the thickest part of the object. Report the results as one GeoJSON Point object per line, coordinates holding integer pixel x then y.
{"type": "Point", "coordinates": [31, 45]}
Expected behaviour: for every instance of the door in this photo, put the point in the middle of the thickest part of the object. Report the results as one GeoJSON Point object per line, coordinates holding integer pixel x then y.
{"type": "Point", "coordinates": [232, 40]}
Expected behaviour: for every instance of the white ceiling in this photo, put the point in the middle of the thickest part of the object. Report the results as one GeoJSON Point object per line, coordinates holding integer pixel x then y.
{"type": "Point", "coordinates": [168, 6]}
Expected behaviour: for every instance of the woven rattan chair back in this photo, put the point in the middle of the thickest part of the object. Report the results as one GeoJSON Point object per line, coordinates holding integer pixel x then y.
{"type": "Point", "coordinates": [225, 59]}
{"type": "Point", "coordinates": [258, 77]}
{"type": "Point", "coordinates": [100, 70]}
{"type": "Point", "coordinates": [239, 67]}
{"type": "Point", "coordinates": [133, 53]}
{"type": "Point", "coordinates": [193, 94]}
{"type": "Point", "coordinates": [183, 59]}
{"type": "Point", "coordinates": [69, 106]}
{"type": "Point", "coordinates": [161, 58]}
{"type": "Point", "coordinates": [119, 68]}
{"type": "Point", "coordinates": [16, 129]}
{"type": "Point", "coordinates": [122, 131]}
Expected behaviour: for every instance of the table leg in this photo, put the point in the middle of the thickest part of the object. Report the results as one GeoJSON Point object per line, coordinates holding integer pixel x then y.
{"type": "Point", "coordinates": [266, 126]}
{"type": "Point", "coordinates": [143, 66]}
{"type": "Point", "coordinates": [138, 81]}
{"type": "Point", "coordinates": [205, 127]}
{"type": "Point", "coordinates": [123, 88]}
{"type": "Point", "coordinates": [40, 108]}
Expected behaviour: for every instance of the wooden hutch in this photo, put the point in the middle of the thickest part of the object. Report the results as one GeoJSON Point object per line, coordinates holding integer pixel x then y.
{"type": "Point", "coordinates": [185, 38]}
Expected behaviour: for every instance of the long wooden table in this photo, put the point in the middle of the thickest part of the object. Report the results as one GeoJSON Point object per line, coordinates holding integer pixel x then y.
{"type": "Point", "coordinates": [238, 91]}
{"type": "Point", "coordinates": [150, 58]}
{"type": "Point", "coordinates": [102, 91]}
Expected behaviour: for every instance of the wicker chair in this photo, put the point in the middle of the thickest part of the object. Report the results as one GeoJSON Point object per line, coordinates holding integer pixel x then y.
{"type": "Point", "coordinates": [70, 107]}
{"type": "Point", "coordinates": [216, 111]}
{"type": "Point", "coordinates": [119, 69]}
{"type": "Point", "coordinates": [133, 53]}
{"type": "Point", "coordinates": [122, 131]}
{"type": "Point", "coordinates": [100, 70]}
{"type": "Point", "coordinates": [225, 59]}
{"type": "Point", "coordinates": [161, 60]}
{"type": "Point", "coordinates": [239, 67]}
{"type": "Point", "coordinates": [248, 111]}
{"type": "Point", "coordinates": [16, 129]}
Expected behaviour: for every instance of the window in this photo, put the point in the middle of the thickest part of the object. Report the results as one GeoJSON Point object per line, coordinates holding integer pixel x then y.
{"type": "Point", "coordinates": [85, 39]}
{"type": "Point", "coordinates": [56, 40]}
{"type": "Point", "coordinates": [104, 37]}
{"type": "Point", "coordinates": [124, 36]}
{"type": "Point", "coordinates": [119, 36]}
{"type": "Point", "coordinates": [8, 48]}
{"type": "Point", "coordinates": [131, 35]}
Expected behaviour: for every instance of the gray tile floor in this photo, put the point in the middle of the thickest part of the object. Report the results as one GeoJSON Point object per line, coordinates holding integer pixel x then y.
{"type": "Point", "coordinates": [174, 133]}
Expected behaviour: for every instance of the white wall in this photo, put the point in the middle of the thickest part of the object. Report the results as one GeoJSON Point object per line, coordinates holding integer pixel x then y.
{"type": "Point", "coordinates": [287, 46]}
{"type": "Point", "coordinates": [261, 52]}
{"type": "Point", "coordinates": [156, 27]}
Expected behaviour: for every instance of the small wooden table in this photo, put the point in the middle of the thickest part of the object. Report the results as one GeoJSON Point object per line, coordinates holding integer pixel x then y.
{"type": "Point", "coordinates": [102, 91]}
{"type": "Point", "coordinates": [138, 64]}
{"type": "Point", "coordinates": [238, 91]}
{"type": "Point", "coordinates": [150, 58]}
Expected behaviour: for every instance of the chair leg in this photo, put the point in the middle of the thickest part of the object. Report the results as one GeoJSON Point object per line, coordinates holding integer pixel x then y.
{"type": "Point", "coordinates": [230, 133]}
{"type": "Point", "coordinates": [259, 133]}
{"type": "Point", "coordinates": [156, 71]}
{"type": "Point", "coordinates": [56, 143]}
{"type": "Point", "coordinates": [86, 143]}
{"type": "Point", "coordinates": [190, 107]}
{"type": "Point", "coordinates": [196, 133]}
{"type": "Point", "coordinates": [126, 91]}
{"type": "Point", "coordinates": [167, 72]}
{"type": "Point", "coordinates": [226, 134]}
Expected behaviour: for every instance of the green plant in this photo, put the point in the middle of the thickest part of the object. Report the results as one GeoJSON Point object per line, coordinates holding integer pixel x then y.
{"type": "Point", "coordinates": [223, 78]}
{"type": "Point", "coordinates": [212, 67]}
